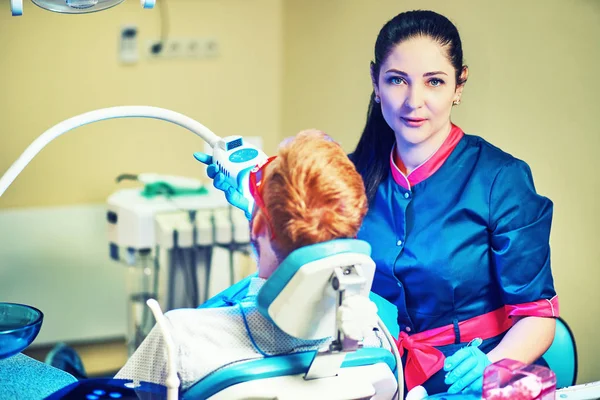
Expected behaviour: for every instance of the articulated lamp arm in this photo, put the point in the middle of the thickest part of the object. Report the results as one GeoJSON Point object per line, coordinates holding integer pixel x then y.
{"type": "Point", "coordinates": [99, 115]}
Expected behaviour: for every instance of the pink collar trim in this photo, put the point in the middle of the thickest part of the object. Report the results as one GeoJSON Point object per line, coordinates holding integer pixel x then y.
{"type": "Point", "coordinates": [429, 166]}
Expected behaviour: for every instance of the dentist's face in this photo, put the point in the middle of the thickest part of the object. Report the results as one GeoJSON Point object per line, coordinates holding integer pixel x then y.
{"type": "Point", "coordinates": [417, 85]}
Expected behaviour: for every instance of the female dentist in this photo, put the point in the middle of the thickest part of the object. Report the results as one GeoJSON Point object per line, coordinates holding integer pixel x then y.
{"type": "Point", "coordinates": [458, 232]}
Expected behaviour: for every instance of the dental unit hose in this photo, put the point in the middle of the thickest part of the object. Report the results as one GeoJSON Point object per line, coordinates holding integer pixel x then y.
{"type": "Point", "coordinates": [234, 157]}
{"type": "Point", "coordinates": [172, 381]}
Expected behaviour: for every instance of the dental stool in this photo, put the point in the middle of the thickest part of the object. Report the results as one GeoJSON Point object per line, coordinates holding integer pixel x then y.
{"type": "Point", "coordinates": [561, 357]}
{"type": "Point", "coordinates": [302, 298]}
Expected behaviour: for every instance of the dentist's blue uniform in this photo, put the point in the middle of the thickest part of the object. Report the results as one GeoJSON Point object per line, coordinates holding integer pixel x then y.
{"type": "Point", "coordinates": [461, 246]}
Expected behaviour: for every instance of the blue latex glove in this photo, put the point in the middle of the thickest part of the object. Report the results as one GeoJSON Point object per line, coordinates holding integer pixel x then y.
{"type": "Point", "coordinates": [234, 197]}
{"type": "Point", "coordinates": [465, 370]}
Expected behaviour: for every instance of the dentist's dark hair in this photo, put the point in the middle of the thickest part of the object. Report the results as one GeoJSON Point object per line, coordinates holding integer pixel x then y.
{"type": "Point", "coordinates": [372, 153]}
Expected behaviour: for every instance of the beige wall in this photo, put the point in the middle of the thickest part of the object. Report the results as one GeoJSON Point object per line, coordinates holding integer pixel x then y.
{"type": "Point", "coordinates": [533, 90]}
{"type": "Point", "coordinates": [56, 66]}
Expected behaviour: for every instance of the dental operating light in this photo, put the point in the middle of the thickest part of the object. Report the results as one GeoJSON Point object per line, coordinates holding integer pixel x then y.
{"type": "Point", "coordinates": [73, 6]}
{"type": "Point", "coordinates": [234, 156]}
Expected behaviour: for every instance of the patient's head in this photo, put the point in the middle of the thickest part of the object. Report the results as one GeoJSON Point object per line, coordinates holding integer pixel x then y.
{"type": "Point", "coordinates": [310, 193]}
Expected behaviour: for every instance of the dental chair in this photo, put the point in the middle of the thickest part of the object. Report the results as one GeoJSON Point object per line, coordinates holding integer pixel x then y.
{"type": "Point", "coordinates": [302, 298]}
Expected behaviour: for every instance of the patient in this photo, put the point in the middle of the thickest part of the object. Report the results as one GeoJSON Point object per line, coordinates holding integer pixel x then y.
{"type": "Point", "coordinates": [309, 193]}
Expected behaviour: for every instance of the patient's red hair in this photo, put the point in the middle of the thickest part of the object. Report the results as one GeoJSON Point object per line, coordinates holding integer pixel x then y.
{"type": "Point", "coordinates": [313, 193]}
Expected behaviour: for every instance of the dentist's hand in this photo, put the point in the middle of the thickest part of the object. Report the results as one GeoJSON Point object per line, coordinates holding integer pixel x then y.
{"type": "Point", "coordinates": [234, 197]}
{"type": "Point", "coordinates": [465, 370]}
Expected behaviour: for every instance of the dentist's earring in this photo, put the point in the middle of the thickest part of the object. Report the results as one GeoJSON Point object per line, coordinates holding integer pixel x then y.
{"type": "Point", "coordinates": [456, 102]}
{"type": "Point", "coordinates": [377, 99]}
